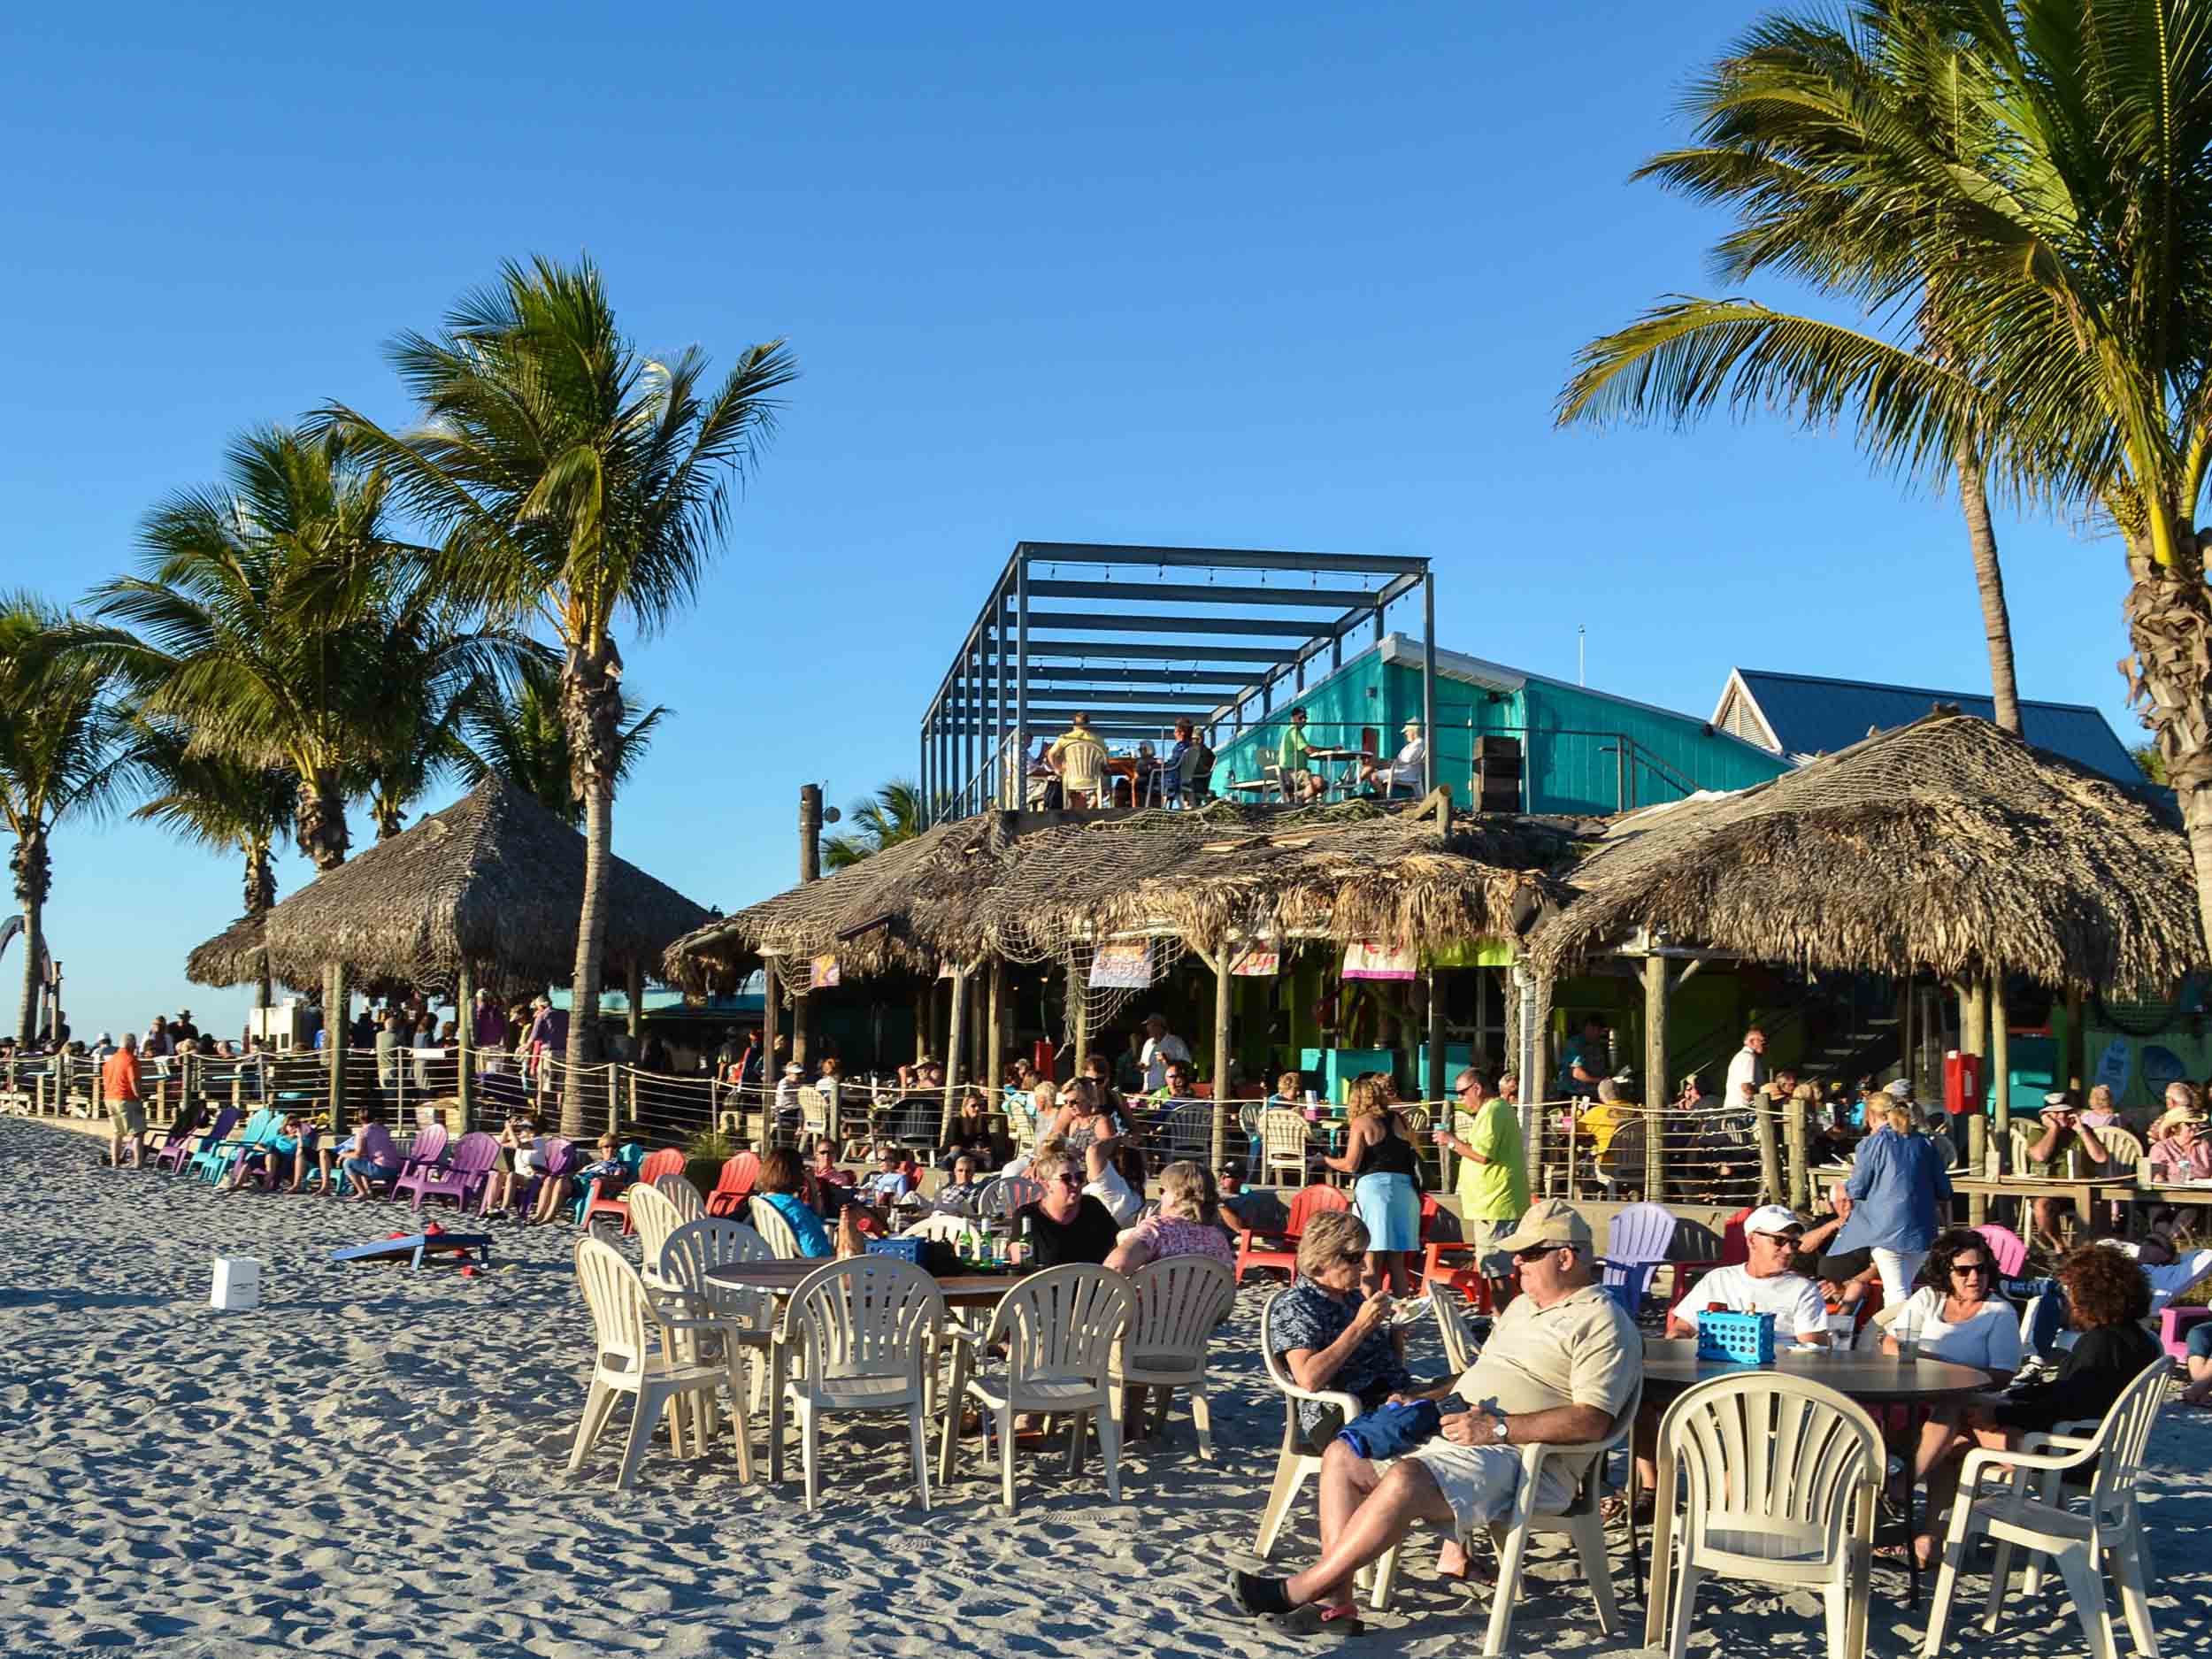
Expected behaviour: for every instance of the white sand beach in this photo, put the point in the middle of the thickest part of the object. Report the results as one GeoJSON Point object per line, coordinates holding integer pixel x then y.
{"type": "Point", "coordinates": [370, 1464]}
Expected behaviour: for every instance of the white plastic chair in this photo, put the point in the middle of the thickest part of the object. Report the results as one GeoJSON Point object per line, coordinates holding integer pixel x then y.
{"type": "Point", "coordinates": [1059, 1328]}
{"type": "Point", "coordinates": [1082, 771]}
{"type": "Point", "coordinates": [656, 1217]}
{"type": "Point", "coordinates": [1002, 1198]}
{"type": "Point", "coordinates": [2079, 1543]}
{"type": "Point", "coordinates": [1460, 1346]}
{"type": "Point", "coordinates": [1292, 1464]}
{"type": "Point", "coordinates": [1283, 1144]}
{"type": "Point", "coordinates": [772, 1227]}
{"type": "Point", "coordinates": [1178, 1303]}
{"type": "Point", "coordinates": [946, 1229]}
{"type": "Point", "coordinates": [1773, 1480]}
{"type": "Point", "coordinates": [867, 1332]}
{"type": "Point", "coordinates": [748, 1316]}
{"type": "Point", "coordinates": [676, 1188]}
{"type": "Point", "coordinates": [639, 1350]}
{"type": "Point", "coordinates": [814, 1118]}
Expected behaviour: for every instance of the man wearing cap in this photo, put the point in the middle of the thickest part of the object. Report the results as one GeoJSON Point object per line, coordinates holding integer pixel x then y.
{"type": "Point", "coordinates": [1161, 1047]}
{"type": "Point", "coordinates": [1406, 770]}
{"type": "Point", "coordinates": [1561, 1364]}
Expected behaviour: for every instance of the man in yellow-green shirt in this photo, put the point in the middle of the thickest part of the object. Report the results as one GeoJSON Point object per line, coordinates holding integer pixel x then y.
{"type": "Point", "coordinates": [1293, 754]}
{"type": "Point", "coordinates": [1492, 1186]}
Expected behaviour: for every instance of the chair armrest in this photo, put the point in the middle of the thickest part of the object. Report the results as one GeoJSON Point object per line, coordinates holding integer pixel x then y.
{"type": "Point", "coordinates": [1979, 1459]}
{"type": "Point", "coordinates": [2065, 1442]}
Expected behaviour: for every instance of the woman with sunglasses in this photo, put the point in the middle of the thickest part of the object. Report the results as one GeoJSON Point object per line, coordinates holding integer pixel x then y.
{"type": "Point", "coordinates": [1067, 1224]}
{"type": "Point", "coordinates": [1962, 1320]}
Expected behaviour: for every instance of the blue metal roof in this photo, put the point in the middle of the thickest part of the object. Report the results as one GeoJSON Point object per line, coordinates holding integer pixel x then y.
{"type": "Point", "coordinates": [1812, 716]}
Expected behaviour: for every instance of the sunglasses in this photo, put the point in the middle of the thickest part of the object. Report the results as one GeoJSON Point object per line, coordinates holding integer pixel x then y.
{"type": "Point", "coordinates": [1979, 1269]}
{"type": "Point", "coordinates": [1538, 1252]}
{"type": "Point", "coordinates": [1068, 1181]}
{"type": "Point", "coordinates": [1351, 1257]}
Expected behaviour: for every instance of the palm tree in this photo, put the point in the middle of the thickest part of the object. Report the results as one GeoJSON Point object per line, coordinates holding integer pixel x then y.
{"type": "Point", "coordinates": [63, 755]}
{"type": "Point", "coordinates": [1783, 124]}
{"type": "Point", "coordinates": [219, 804]}
{"type": "Point", "coordinates": [578, 485]}
{"type": "Point", "coordinates": [893, 815]}
{"type": "Point", "coordinates": [515, 732]}
{"type": "Point", "coordinates": [246, 628]}
{"type": "Point", "coordinates": [2058, 169]}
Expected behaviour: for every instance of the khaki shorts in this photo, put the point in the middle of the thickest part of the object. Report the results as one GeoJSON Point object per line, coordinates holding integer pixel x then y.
{"type": "Point", "coordinates": [1480, 1482]}
{"type": "Point", "coordinates": [130, 1113]}
{"type": "Point", "coordinates": [1485, 1236]}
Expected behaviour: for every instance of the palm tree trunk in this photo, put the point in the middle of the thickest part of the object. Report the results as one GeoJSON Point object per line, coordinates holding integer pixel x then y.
{"type": "Point", "coordinates": [2170, 623]}
{"type": "Point", "coordinates": [260, 897]}
{"type": "Point", "coordinates": [321, 827]}
{"type": "Point", "coordinates": [1989, 577]}
{"type": "Point", "coordinates": [34, 872]}
{"type": "Point", "coordinates": [591, 707]}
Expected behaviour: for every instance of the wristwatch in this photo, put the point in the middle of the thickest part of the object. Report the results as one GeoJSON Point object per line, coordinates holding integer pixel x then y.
{"type": "Point", "coordinates": [1498, 1433]}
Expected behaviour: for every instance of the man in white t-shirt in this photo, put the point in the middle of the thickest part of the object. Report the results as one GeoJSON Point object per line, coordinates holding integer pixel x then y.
{"type": "Point", "coordinates": [1161, 1045]}
{"type": "Point", "coordinates": [1748, 1067]}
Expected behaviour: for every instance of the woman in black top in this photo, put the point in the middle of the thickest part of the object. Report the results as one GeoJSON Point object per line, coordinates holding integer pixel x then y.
{"type": "Point", "coordinates": [1067, 1224]}
{"type": "Point", "coordinates": [2110, 1297]}
{"type": "Point", "coordinates": [1386, 1185]}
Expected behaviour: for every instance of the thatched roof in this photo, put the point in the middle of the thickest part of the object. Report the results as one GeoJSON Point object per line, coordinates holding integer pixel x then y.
{"type": "Point", "coordinates": [494, 878]}
{"type": "Point", "coordinates": [976, 887]}
{"type": "Point", "coordinates": [1945, 845]}
{"type": "Point", "coordinates": [232, 957]}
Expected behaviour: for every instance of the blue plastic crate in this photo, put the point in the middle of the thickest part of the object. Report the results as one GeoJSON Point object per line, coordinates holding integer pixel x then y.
{"type": "Point", "coordinates": [1737, 1338]}
{"type": "Point", "coordinates": [905, 1249]}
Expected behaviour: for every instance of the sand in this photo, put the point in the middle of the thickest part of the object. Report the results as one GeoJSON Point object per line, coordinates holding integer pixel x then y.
{"type": "Point", "coordinates": [370, 1464]}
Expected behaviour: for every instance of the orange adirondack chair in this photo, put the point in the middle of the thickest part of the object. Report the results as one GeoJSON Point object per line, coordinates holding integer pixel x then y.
{"type": "Point", "coordinates": [1280, 1250]}
{"type": "Point", "coordinates": [735, 1185]}
{"type": "Point", "coordinates": [667, 1161]}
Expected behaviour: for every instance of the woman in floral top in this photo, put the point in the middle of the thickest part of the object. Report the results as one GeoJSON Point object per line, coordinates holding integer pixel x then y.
{"type": "Point", "coordinates": [1327, 1335]}
{"type": "Point", "coordinates": [1189, 1224]}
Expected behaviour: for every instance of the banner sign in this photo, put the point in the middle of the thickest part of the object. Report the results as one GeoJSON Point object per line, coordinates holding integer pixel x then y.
{"type": "Point", "coordinates": [824, 972]}
{"type": "Point", "coordinates": [1261, 962]}
{"type": "Point", "coordinates": [1363, 959]}
{"type": "Point", "coordinates": [1123, 966]}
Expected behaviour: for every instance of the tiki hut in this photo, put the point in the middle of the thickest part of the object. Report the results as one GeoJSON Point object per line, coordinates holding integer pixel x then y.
{"type": "Point", "coordinates": [233, 956]}
{"type": "Point", "coordinates": [1948, 846]}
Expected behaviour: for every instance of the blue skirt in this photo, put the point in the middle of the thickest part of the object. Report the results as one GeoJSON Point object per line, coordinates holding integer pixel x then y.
{"type": "Point", "coordinates": [1390, 1204]}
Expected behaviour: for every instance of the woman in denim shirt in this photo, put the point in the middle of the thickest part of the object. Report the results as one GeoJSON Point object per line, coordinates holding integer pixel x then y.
{"type": "Point", "coordinates": [1896, 1183]}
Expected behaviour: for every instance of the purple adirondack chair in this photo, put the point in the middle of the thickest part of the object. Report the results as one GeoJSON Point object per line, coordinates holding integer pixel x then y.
{"type": "Point", "coordinates": [461, 1181]}
{"type": "Point", "coordinates": [178, 1148]}
{"type": "Point", "coordinates": [1638, 1241]}
{"type": "Point", "coordinates": [560, 1159]}
{"type": "Point", "coordinates": [428, 1151]}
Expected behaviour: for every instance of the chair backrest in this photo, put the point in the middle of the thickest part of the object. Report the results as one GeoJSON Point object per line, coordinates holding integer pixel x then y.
{"type": "Point", "coordinates": [1642, 1233]}
{"type": "Point", "coordinates": [1190, 1129]}
{"type": "Point", "coordinates": [1062, 1322]}
{"type": "Point", "coordinates": [709, 1241]}
{"type": "Point", "coordinates": [867, 1316]}
{"type": "Point", "coordinates": [1735, 1248]}
{"type": "Point", "coordinates": [945, 1228]}
{"type": "Point", "coordinates": [2120, 1145]}
{"type": "Point", "coordinates": [616, 1296]}
{"type": "Point", "coordinates": [1249, 1117]}
{"type": "Point", "coordinates": [430, 1144]}
{"type": "Point", "coordinates": [655, 1218]}
{"type": "Point", "coordinates": [1451, 1324]}
{"type": "Point", "coordinates": [667, 1161]}
{"type": "Point", "coordinates": [2125, 1431]}
{"type": "Point", "coordinates": [1369, 742]}
{"type": "Point", "coordinates": [1003, 1197]}
{"type": "Point", "coordinates": [1768, 1454]}
{"type": "Point", "coordinates": [813, 1111]}
{"type": "Point", "coordinates": [1315, 1200]}
{"type": "Point", "coordinates": [770, 1224]}
{"type": "Point", "coordinates": [263, 1126]}
{"type": "Point", "coordinates": [1187, 768]}
{"type": "Point", "coordinates": [560, 1155]}
{"type": "Point", "coordinates": [739, 1174]}
{"type": "Point", "coordinates": [676, 1187]}
{"type": "Point", "coordinates": [219, 1131]}
{"type": "Point", "coordinates": [1082, 765]}
{"type": "Point", "coordinates": [474, 1154]}
{"type": "Point", "coordinates": [2007, 1247]}
{"type": "Point", "coordinates": [1178, 1301]}
{"type": "Point", "coordinates": [1283, 1130]}
{"type": "Point", "coordinates": [2026, 1133]}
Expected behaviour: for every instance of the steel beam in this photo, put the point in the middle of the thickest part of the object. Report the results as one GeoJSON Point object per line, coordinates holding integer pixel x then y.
{"type": "Point", "coordinates": [1080, 651]}
{"type": "Point", "coordinates": [1148, 624]}
{"type": "Point", "coordinates": [1216, 558]}
{"type": "Point", "coordinates": [1203, 593]}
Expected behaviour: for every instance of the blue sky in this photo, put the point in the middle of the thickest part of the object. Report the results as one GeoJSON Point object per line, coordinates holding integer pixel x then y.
{"type": "Point", "coordinates": [1267, 276]}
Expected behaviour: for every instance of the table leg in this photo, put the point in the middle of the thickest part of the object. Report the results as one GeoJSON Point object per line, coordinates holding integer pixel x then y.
{"type": "Point", "coordinates": [776, 1364]}
{"type": "Point", "coordinates": [955, 1397]}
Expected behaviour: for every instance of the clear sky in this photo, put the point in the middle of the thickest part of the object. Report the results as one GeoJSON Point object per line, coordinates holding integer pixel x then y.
{"type": "Point", "coordinates": [1225, 275]}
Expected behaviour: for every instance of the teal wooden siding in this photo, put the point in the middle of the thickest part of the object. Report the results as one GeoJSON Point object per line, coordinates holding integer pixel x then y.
{"type": "Point", "coordinates": [1583, 752]}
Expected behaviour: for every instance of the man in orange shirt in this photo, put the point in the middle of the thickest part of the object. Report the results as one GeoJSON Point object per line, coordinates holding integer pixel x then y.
{"type": "Point", "coordinates": [127, 1111]}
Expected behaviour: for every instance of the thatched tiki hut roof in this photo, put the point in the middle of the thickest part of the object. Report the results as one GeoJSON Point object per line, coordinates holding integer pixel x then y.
{"type": "Point", "coordinates": [495, 879]}
{"type": "Point", "coordinates": [232, 957]}
{"type": "Point", "coordinates": [1946, 845]}
{"type": "Point", "coordinates": [976, 887]}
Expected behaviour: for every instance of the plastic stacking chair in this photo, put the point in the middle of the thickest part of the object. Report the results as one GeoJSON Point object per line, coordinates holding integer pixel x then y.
{"type": "Point", "coordinates": [772, 1227]}
{"type": "Point", "coordinates": [463, 1180]}
{"type": "Point", "coordinates": [1773, 1479]}
{"type": "Point", "coordinates": [740, 1175]}
{"type": "Point", "coordinates": [1057, 1329]}
{"type": "Point", "coordinates": [1178, 1302]}
{"type": "Point", "coordinates": [866, 1332]}
{"type": "Point", "coordinates": [2081, 1545]}
{"type": "Point", "coordinates": [1452, 1326]}
{"type": "Point", "coordinates": [1284, 1144]}
{"type": "Point", "coordinates": [1001, 1198]}
{"type": "Point", "coordinates": [667, 1161]}
{"type": "Point", "coordinates": [748, 1316]}
{"type": "Point", "coordinates": [656, 1220]}
{"type": "Point", "coordinates": [676, 1188]}
{"type": "Point", "coordinates": [1298, 1460]}
{"type": "Point", "coordinates": [642, 1351]}
{"type": "Point", "coordinates": [177, 1154]}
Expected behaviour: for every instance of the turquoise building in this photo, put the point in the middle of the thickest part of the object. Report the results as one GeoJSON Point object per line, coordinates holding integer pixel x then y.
{"type": "Point", "coordinates": [1582, 752]}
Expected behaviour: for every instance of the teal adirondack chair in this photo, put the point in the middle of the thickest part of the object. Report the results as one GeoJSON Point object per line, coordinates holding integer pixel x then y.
{"type": "Point", "coordinates": [213, 1164]}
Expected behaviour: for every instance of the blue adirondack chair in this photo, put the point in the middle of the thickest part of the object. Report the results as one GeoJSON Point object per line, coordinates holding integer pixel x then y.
{"type": "Point", "coordinates": [213, 1164]}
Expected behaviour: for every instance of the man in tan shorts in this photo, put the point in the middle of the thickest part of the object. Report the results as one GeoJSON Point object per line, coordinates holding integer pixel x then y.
{"type": "Point", "coordinates": [127, 1109]}
{"type": "Point", "coordinates": [1562, 1363]}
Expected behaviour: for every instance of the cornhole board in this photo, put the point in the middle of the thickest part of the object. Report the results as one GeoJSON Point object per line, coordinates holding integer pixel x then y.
{"type": "Point", "coordinates": [415, 1245]}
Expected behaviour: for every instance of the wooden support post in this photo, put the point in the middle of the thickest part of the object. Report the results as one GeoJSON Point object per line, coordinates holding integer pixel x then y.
{"type": "Point", "coordinates": [953, 1048]}
{"type": "Point", "coordinates": [1770, 1151]}
{"type": "Point", "coordinates": [1079, 1013]}
{"type": "Point", "coordinates": [634, 989]}
{"type": "Point", "coordinates": [614, 1100]}
{"type": "Point", "coordinates": [994, 1045]}
{"type": "Point", "coordinates": [924, 1020]}
{"type": "Point", "coordinates": [464, 1048]}
{"type": "Point", "coordinates": [1800, 1198]}
{"type": "Point", "coordinates": [1222, 964]}
{"type": "Point", "coordinates": [2074, 1063]}
{"type": "Point", "coordinates": [1438, 1086]}
{"type": "Point", "coordinates": [1999, 1064]}
{"type": "Point", "coordinates": [1655, 1080]}
{"type": "Point", "coordinates": [334, 1000]}
{"type": "Point", "coordinates": [1974, 1039]}
{"type": "Point", "coordinates": [633, 1093]}
{"type": "Point", "coordinates": [771, 1073]}
{"type": "Point", "coordinates": [1905, 1001]}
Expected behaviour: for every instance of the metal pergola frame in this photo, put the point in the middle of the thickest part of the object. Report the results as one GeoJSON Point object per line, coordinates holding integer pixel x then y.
{"type": "Point", "coordinates": [1200, 649]}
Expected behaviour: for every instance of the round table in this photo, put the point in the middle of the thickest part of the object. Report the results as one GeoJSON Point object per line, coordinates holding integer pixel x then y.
{"type": "Point", "coordinates": [1874, 1380]}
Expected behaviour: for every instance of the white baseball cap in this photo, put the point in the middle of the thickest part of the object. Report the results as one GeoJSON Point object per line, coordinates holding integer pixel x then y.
{"type": "Point", "coordinates": [1898, 1088]}
{"type": "Point", "coordinates": [1772, 1218]}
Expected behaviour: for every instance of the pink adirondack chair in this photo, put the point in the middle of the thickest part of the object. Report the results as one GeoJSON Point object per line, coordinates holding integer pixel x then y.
{"type": "Point", "coordinates": [461, 1181]}
{"type": "Point", "coordinates": [2009, 1249]}
{"type": "Point", "coordinates": [178, 1149]}
{"type": "Point", "coordinates": [428, 1150]}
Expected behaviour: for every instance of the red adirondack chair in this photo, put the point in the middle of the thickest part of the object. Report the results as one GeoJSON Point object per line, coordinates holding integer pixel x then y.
{"type": "Point", "coordinates": [1280, 1250]}
{"type": "Point", "coordinates": [667, 1161]}
{"type": "Point", "coordinates": [739, 1177]}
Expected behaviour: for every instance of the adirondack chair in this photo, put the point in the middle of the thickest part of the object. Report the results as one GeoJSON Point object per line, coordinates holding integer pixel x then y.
{"type": "Point", "coordinates": [175, 1156]}
{"type": "Point", "coordinates": [428, 1152]}
{"type": "Point", "coordinates": [1281, 1249]}
{"type": "Point", "coordinates": [739, 1177]}
{"type": "Point", "coordinates": [462, 1181]}
{"type": "Point", "coordinates": [2006, 1248]}
{"type": "Point", "coordinates": [264, 1172]}
{"type": "Point", "coordinates": [1636, 1244]}
{"type": "Point", "coordinates": [215, 1158]}
{"type": "Point", "coordinates": [560, 1159]}
{"type": "Point", "coordinates": [667, 1161]}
